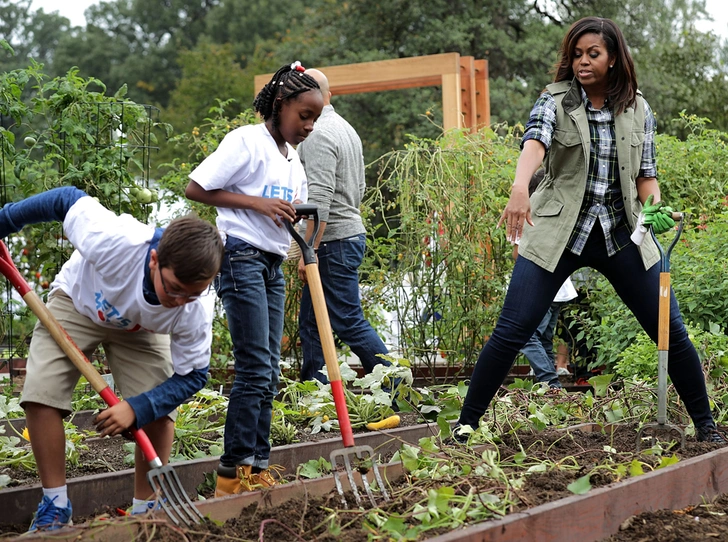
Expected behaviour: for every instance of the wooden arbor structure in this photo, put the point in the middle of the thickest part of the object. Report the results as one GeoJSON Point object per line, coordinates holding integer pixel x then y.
{"type": "Point", "coordinates": [464, 82]}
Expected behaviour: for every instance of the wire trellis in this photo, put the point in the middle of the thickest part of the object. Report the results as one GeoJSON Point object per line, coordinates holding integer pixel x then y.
{"type": "Point", "coordinates": [129, 150]}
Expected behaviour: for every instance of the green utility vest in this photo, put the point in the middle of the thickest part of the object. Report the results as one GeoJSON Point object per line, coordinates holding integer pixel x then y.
{"type": "Point", "coordinates": [556, 203]}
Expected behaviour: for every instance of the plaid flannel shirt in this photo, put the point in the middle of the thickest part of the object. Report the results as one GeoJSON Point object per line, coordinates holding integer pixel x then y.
{"type": "Point", "coordinates": [603, 195]}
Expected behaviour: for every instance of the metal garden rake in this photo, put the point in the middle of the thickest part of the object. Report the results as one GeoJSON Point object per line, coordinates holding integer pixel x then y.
{"type": "Point", "coordinates": [163, 479]}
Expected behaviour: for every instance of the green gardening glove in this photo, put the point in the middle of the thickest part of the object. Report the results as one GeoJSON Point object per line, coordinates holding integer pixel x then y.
{"type": "Point", "coordinates": [657, 215]}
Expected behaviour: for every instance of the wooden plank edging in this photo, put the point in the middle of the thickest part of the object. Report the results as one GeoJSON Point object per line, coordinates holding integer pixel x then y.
{"type": "Point", "coordinates": [599, 513]}
{"type": "Point", "coordinates": [578, 518]}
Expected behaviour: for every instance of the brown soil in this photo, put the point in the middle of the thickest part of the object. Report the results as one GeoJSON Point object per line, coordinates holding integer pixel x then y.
{"type": "Point", "coordinates": [700, 523]}
{"type": "Point", "coordinates": [311, 519]}
{"type": "Point", "coordinates": [107, 454]}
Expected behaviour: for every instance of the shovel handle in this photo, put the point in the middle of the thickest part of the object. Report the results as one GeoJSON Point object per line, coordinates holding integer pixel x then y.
{"type": "Point", "coordinates": [638, 235]}
{"type": "Point", "coordinates": [74, 353]}
{"type": "Point", "coordinates": [322, 320]}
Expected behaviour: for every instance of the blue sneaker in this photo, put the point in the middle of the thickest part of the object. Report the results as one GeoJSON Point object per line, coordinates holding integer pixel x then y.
{"type": "Point", "coordinates": [49, 517]}
{"type": "Point", "coordinates": [150, 506]}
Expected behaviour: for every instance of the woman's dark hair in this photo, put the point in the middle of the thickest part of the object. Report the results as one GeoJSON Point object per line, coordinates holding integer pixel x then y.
{"type": "Point", "coordinates": [622, 84]}
{"type": "Point", "coordinates": [287, 83]}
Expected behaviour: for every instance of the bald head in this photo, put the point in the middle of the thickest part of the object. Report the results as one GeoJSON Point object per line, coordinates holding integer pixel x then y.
{"type": "Point", "coordinates": [323, 83]}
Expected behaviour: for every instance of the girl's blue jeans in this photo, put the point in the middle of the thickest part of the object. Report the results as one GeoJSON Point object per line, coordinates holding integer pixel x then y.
{"type": "Point", "coordinates": [531, 291]}
{"type": "Point", "coordinates": [252, 289]}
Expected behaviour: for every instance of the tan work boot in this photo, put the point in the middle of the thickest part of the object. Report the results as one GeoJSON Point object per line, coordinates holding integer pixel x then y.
{"type": "Point", "coordinates": [265, 478]}
{"type": "Point", "coordinates": [240, 479]}
{"type": "Point", "coordinates": [232, 480]}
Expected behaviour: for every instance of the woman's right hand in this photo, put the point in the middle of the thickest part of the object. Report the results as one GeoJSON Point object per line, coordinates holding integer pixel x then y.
{"type": "Point", "coordinates": [516, 213]}
{"type": "Point", "coordinates": [518, 210]}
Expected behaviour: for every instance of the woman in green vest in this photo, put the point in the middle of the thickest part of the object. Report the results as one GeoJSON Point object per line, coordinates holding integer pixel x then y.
{"type": "Point", "coordinates": [594, 134]}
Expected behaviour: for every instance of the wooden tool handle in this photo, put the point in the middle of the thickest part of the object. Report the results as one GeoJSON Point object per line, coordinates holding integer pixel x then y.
{"type": "Point", "coordinates": [329, 350]}
{"type": "Point", "coordinates": [74, 353]}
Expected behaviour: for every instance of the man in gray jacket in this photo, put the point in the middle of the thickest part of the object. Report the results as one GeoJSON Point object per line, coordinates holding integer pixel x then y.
{"type": "Point", "coordinates": [334, 163]}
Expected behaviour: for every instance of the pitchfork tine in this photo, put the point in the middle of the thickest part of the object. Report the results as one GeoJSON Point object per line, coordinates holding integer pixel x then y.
{"type": "Point", "coordinates": [364, 480]}
{"type": "Point", "coordinates": [360, 452]}
{"type": "Point", "coordinates": [173, 497]}
{"type": "Point", "coordinates": [352, 481]}
{"type": "Point", "coordinates": [339, 487]}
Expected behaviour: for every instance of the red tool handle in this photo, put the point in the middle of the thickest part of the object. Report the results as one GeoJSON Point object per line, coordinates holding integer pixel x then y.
{"type": "Point", "coordinates": [7, 268]}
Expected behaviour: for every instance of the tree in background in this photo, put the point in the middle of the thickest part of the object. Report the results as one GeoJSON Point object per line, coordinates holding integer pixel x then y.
{"type": "Point", "coordinates": [32, 34]}
{"type": "Point", "coordinates": [149, 46]}
{"type": "Point", "coordinates": [136, 42]}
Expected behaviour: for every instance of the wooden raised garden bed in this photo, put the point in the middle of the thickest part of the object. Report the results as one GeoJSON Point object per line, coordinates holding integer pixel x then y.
{"type": "Point", "coordinates": [578, 518]}
{"type": "Point", "coordinates": [114, 489]}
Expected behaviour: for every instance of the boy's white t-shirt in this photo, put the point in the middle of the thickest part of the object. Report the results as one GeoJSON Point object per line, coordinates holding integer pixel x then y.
{"type": "Point", "coordinates": [104, 279]}
{"type": "Point", "coordinates": [248, 161]}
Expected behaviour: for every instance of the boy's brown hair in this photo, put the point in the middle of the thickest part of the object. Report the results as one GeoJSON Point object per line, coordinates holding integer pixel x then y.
{"type": "Point", "coordinates": [192, 248]}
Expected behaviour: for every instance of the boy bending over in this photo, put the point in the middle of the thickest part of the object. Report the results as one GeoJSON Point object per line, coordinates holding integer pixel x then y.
{"type": "Point", "coordinates": [139, 291]}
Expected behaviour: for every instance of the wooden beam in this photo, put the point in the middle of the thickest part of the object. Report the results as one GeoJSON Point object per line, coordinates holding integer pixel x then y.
{"type": "Point", "coordinates": [382, 75]}
{"type": "Point", "coordinates": [420, 71]}
{"type": "Point", "coordinates": [482, 94]}
{"type": "Point", "coordinates": [468, 91]}
{"type": "Point", "coordinates": [452, 105]}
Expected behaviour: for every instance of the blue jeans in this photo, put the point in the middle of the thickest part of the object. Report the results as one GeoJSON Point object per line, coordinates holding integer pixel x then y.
{"type": "Point", "coordinates": [539, 350]}
{"type": "Point", "coordinates": [338, 264]}
{"type": "Point", "coordinates": [531, 291]}
{"type": "Point", "coordinates": [252, 289]}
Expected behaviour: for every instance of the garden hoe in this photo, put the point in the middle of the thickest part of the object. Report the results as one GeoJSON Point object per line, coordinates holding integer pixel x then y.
{"type": "Point", "coordinates": [164, 481]}
{"type": "Point", "coordinates": [361, 455]}
{"type": "Point", "coordinates": [651, 430]}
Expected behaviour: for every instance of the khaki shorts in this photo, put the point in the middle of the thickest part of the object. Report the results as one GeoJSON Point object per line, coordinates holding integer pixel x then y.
{"type": "Point", "coordinates": [138, 360]}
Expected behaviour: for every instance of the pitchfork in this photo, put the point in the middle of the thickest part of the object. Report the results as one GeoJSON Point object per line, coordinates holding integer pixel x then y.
{"type": "Point", "coordinates": [663, 342]}
{"type": "Point", "coordinates": [363, 454]}
{"type": "Point", "coordinates": [163, 479]}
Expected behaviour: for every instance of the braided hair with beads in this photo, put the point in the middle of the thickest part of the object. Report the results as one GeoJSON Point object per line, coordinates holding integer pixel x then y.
{"type": "Point", "coordinates": [287, 83]}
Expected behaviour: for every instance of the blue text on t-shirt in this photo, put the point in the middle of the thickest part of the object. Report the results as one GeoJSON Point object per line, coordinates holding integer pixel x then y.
{"type": "Point", "coordinates": [277, 191]}
{"type": "Point", "coordinates": [108, 313]}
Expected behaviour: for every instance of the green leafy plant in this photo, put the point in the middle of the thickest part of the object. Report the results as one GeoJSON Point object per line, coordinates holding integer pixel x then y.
{"type": "Point", "coordinates": [199, 426]}
{"type": "Point", "coordinates": [314, 468]}
{"type": "Point", "coordinates": [436, 259]}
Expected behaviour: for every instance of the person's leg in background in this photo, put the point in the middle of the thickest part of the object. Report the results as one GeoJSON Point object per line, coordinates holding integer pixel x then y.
{"type": "Point", "coordinates": [338, 264]}
{"type": "Point", "coordinates": [537, 353]}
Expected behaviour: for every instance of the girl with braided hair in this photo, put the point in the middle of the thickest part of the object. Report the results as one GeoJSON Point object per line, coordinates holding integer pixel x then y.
{"type": "Point", "coordinates": [253, 178]}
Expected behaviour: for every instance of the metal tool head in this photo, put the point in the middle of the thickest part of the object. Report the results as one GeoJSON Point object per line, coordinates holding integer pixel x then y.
{"type": "Point", "coordinates": [361, 459]}
{"type": "Point", "coordinates": [653, 430]}
{"type": "Point", "coordinates": [173, 497]}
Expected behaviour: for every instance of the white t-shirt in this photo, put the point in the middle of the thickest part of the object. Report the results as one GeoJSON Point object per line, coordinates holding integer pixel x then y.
{"type": "Point", "coordinates": [104, 279]}
{"type": "Point", "coordinates": [248, 162]}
